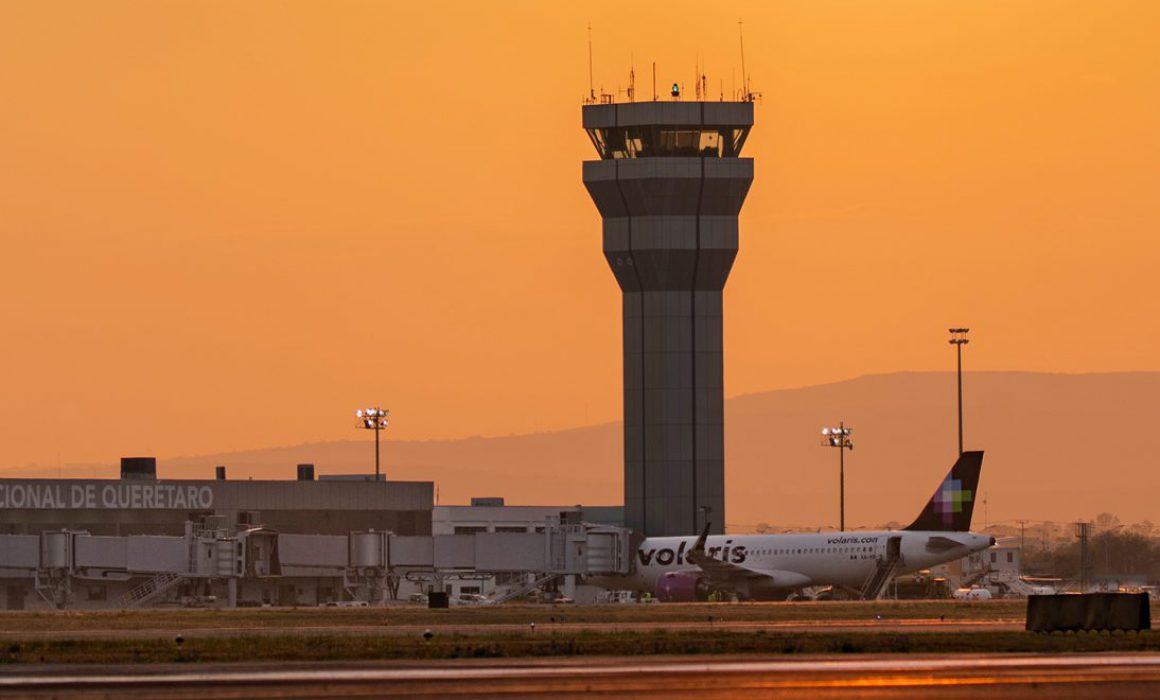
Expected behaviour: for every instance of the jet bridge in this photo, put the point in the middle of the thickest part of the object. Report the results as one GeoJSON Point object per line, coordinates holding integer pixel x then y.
{"type": "Point", "coordinates": [214, 565]}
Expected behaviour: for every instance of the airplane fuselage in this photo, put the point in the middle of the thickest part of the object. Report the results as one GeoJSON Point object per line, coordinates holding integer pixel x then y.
{"type": "Point", "coordinates": [800, 560]}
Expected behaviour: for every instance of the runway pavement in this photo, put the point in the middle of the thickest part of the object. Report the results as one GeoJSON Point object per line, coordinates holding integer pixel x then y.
{"type": "Point", "coordinates": [991, 676]}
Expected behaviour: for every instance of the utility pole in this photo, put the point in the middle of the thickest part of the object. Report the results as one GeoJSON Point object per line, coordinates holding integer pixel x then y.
{"type": "Point", "coordinates": [839, 437]}
{"type": "Point", "coordinates": [1083, 532]}
{"type": "Point", "coordinates": [959, 339]}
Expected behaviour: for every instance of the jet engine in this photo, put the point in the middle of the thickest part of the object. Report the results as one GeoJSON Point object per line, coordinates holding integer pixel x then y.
{"type": "Point", "coordinates": [682, 587]}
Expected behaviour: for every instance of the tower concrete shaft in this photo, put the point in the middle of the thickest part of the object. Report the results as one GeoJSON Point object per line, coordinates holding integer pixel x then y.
{"type": "Point", "coordinates": [669, 185]}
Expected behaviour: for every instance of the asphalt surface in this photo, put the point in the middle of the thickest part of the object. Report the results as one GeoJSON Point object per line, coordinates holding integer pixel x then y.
{"type": "Point", "coordinates": [990, 676]}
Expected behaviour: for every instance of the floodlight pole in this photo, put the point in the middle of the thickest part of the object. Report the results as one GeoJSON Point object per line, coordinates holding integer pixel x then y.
{"type": "Point", "coordinates": [373, 419]}
{"type": "Point", "coordinates": [959, 373]}
{"type": "Point", "coordinates": [959, 339]}
{"type": "Point", "coordinates": [842, 482]}
{"type": "Point", "coordinates": [839, 437]}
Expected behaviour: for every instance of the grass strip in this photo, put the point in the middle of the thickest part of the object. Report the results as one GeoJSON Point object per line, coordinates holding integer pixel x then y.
{"type": "Point", "coordinates": [543, 644]}
{"type": "Point", "coordinates": [273, 618]}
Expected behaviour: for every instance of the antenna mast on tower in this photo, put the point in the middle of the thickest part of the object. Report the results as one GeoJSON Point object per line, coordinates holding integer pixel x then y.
{"type": "Point", "coordinates": [697, 77]}
{"type": "Point", "coordinates": [591, 88]}
{"type": "Point", "coordinates": [744, 75]}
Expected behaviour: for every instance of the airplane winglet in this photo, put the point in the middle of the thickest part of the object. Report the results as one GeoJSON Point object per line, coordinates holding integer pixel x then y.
{"type": "Point", "coordinates": [699, 545]}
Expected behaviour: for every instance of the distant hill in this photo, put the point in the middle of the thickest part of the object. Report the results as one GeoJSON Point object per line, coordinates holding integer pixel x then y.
{"type": "Point", "coordinates": [1059, 447]}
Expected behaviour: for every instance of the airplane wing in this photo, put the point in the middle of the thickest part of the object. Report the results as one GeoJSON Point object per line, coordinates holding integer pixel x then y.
{"type": "Point", "coordinates": [726, 574]}
{"type": "Point", "coordinates": [718, 570]}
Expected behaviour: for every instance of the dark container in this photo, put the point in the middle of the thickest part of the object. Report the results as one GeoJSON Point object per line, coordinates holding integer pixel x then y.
{"type": "Point", "coordinates": [139, 468]}
{"type": "Point", "coordinates": [1088, 612]}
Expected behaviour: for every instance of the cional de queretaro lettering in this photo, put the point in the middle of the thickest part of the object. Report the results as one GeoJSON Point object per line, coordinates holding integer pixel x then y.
{"type": "Point", "coordinates": [102, 496]}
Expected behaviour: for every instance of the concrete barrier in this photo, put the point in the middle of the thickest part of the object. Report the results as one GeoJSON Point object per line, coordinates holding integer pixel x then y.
{"type": "Point", "coordinates": [1088, 612]}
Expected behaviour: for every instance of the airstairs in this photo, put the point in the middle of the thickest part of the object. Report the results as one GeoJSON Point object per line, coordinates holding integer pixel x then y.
{"type": "Point", "coordinates": [521, 591]}
{"type": "Point", "coordinates": [1014, 584]}
{"type": "Point", "coordinates": [888, 566]}
{"type": "Point", "coordinates": [151, 589]}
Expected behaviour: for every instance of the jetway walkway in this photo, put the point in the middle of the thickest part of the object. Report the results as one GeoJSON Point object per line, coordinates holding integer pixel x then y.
{"type": "Point", "coordinates": [255, 564]}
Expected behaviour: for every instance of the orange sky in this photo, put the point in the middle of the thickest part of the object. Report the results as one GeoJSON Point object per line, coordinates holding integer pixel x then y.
{"type": "Point", "coordinates": [227, 225]}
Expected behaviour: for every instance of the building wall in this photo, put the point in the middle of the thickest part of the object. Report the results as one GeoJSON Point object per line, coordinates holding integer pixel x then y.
{"type": "Point", "coordinates": [462, 520]}
{"type": "Point", "coordinates": [162, 507]}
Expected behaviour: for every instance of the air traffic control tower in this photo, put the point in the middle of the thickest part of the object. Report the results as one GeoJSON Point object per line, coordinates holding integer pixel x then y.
{"type": "Point", "coordinates": [669, 185]}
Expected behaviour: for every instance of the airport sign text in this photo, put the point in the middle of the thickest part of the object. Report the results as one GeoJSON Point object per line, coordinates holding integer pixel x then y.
{"type": "Point", "coordinates": [106, 496]}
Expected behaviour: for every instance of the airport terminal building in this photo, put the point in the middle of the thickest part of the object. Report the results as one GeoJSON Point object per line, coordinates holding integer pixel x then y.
{"type": "Point", "coordinates": [142, 541]}
{"type": "Point", "coordinates": [132, 506]}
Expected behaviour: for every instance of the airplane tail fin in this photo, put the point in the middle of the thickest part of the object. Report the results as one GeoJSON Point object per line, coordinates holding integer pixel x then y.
{"type": "Point", "coordinates": [953, 502]}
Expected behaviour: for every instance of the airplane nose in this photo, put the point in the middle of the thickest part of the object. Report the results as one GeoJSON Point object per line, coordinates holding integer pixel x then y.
{"type": "Point", "coordinates": [992, 541]}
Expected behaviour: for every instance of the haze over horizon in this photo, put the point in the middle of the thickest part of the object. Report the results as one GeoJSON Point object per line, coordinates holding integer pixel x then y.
{"type": "Point", "coordinates": [228, 226]}
{"type": "Point", "coordinates": [1046, 437]}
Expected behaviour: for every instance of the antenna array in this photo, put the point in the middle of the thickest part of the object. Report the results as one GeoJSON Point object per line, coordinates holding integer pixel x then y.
{"type": "Point", "coordinates": [700, 79]}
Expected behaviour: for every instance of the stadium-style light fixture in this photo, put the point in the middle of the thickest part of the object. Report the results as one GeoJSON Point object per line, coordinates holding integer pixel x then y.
{"type": "Point", "coordinates": [959, 339]}
{"type": "Point", "coordinates": [840, 437]}
{"type": "Point", "coordinates": [373, 419]}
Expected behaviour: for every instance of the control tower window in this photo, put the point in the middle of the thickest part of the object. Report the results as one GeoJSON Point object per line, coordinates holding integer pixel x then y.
{"type": "Point", "coordinates": [668, 141]}
{"type": "Point", "coordinates": [678, 142]}
{"type": "Point", "coordinates": [739, 139]}
{"type": "Point", "coordinates": [597, 136]}
{"type": "Point", "coordinates": [710, 145]}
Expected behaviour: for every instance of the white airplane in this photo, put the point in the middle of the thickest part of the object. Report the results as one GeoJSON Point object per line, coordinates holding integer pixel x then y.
{"type": "Point", "coordinates": [771, 566]}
